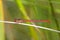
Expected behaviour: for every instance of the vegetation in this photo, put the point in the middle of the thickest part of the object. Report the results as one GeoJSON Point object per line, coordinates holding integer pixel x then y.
{"type": "Point", "coordinates": [30, 10]}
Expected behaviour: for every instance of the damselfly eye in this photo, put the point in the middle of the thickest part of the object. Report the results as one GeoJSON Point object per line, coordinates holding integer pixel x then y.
{"type": "Point", "coordinates": [18, 20]}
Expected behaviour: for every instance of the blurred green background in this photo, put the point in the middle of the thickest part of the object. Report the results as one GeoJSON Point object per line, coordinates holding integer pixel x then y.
{"type": "Point", "coordinates": [31, 10]}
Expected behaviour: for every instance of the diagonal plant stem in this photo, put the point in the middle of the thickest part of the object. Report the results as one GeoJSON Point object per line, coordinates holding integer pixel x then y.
{"type": "Point", "coordinates": [53, 16]}
{"type": "Point", "coordinates": [52, 10]}
{"type": "Point", "coordinates": [31, 26]}
{"type": "Point", "coordinates": [21, 7]}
